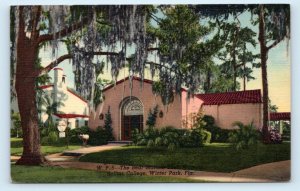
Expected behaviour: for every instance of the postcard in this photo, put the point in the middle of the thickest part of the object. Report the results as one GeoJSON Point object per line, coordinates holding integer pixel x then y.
{"type": "Point", "coordinates": [150, 93]}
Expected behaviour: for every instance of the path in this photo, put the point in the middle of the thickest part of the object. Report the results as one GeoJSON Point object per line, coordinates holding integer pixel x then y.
{"type": "Point", "coordinates": [73, 155]}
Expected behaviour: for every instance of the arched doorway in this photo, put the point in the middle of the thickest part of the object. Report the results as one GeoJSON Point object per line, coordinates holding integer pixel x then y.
{"type": "Point", "coordinates": [132, 112]}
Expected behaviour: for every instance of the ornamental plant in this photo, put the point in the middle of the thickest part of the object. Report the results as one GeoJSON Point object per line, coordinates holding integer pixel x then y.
{"type": "Point", "coordinates": [245, 136]}
{"type": "Point", "coordinates": [275, 136]}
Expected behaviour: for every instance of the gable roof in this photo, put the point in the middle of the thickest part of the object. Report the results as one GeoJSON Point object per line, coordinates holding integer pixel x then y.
{"type": "Point", "coordinates": [69, 90]}
{"type": "Point", "coordinates": [127, 78]}
{"type": "Point", "coordinates": [248, 96]}
{"type": "Point", "coordinates": [77, 95]}
{"type": "Point", "coordinates": [276, 116]}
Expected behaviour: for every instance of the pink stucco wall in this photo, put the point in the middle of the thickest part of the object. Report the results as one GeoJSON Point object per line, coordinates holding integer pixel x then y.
{"type": "Point", "coordinates": [114, 97]}
{"type": "Point", "coordinates": [189, 106]}
{"type": "Point", "coordinates": [225, 115]}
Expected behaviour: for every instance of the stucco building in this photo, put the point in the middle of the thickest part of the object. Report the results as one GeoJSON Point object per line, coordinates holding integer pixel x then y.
{"type": "Point", "coordinates": [72, 108]}
{"type": "Point", "coordinates": [130, 107]}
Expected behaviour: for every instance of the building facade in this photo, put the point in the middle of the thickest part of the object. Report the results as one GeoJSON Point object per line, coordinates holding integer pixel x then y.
{"type": "Point", "coordinates": [72, 108]}
{"type": "Point", "coordinates": [129, 108]}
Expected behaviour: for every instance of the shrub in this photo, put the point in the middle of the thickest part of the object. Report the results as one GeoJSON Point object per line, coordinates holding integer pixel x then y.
{"type": "Point", "coordinates": [209, 120]}
{"type": "Point", "coordinates": [108, 127]}
{"type": "Point", "coordinates": [206, 136]}
{"type": "Point", "coordinates": [158, 142]}
{"type": "Point", "coordinates": [74, 133]}
{"type": "Point", "coordinates": [100, 136]}
{"type": "Point", "coordinates": [172, 146]}
{"type": "Point", "coordinates": [170, 137]}
{"type": "Point", "coordinates": [150, 143]}
{"type": "Point", "coordinates": [275, 136]}
{"type": "Point", "coordinates": [217, 134]}
{"type": "Point", "coordinates": [51, 139]}
{"type": "Point", "coordinates": [244, 137]}
{"type": "Point", "coordinates": [152, 115]}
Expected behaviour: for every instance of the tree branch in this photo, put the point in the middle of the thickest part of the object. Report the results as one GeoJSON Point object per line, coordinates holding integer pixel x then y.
{"type": "Point", "coordinates": [56, 62]}
{"type": "Point", "coordinates": [274, 43]}
{"type": "Point", "coordinates": [152, 49]}
{"type": "Point", "coordinates": [64, 32]}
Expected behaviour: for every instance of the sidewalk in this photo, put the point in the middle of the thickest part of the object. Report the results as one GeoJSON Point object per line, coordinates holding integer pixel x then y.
{"type": "Point", "coordinates": [73, 155]}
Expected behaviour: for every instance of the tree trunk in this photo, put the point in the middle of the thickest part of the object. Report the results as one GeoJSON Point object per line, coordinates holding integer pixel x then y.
{"type": "Point", "coordinates": [245, 77]}
{"type": "Point", "coordinates": [264, 58]}
{"type": "Point", "coordinates": [26, 73]}
{"type": "Point", "coordinates": [208, 83]}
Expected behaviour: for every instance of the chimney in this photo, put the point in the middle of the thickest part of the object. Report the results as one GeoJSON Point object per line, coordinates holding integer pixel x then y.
{"type": "Point", "coordinates": [59, 83]}
{"type": "Point", "coordinates": [58, 76]}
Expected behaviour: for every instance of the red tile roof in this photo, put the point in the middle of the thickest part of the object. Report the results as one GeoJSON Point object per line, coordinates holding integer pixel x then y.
{"type": "Point", "coordinates": [70, 115]}
{"type": "Point", "coordinates": [123, 80]}
{"type": "Point", "coordinates": [280, 116]}
{"type": "Point", "coordinates": [248, 96]}
{"type": "Point", "coordinates": [46, 86]}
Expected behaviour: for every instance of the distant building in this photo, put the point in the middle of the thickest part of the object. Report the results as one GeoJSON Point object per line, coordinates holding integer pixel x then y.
{"type": "Point", "coordinates": [130, 108]}
{"type": "Point", "coordinates": [73, 108]}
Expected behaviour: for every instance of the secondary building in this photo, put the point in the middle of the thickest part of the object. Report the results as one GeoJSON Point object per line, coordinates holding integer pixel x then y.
{"type": "Point", "coordinates": [72, 108]}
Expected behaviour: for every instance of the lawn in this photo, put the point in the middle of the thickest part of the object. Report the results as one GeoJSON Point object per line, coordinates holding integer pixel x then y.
{"type": "Point", "coordinates": [212, 157]}
{"type": "Point", "coordinates": [16, 147]}
{"type": "Point", "coordinates": [38, 174]}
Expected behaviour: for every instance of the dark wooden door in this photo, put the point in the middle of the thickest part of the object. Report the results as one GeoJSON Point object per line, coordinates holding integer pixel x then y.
{"type": "Point", "coordinates": [129, 124]}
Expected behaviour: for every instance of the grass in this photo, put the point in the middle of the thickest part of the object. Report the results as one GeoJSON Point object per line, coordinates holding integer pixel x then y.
{"type": "Point", "coordinates": [211, 157]}
{"type": "Point", "coordinates": [38, 174]}
{"type": "Point", "coordinates": [16, 147]}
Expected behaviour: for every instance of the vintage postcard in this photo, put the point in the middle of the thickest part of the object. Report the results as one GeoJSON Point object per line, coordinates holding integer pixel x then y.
{"type": "Point", "coordinates": [150, 93]}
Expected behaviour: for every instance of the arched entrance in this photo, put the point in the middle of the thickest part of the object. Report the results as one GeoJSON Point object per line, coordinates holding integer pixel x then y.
{"type": "Point", "coordinates": [132, 112]}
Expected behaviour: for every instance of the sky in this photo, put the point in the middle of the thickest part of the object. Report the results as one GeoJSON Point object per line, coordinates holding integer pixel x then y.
{"type": "Point", "coordinates": [278, 67]}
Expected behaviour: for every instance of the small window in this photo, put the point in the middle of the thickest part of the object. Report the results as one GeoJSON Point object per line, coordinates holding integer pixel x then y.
{"type": "Point", "coordinates": [86, 122]}
{"type": "Point", "coordinates": [77, 123]}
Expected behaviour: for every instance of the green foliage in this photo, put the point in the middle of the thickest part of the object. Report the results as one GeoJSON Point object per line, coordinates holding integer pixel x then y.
{"type": "Point", "coordinates": [217, 134]}
{"type": "Point", "coordinates": [150, 143]}
{"type": "Point", "coordinates": [171, 138]}
{"type": "Point", "coordinates": [245, 136]}
{"type": "Point", "coordinates": [209, 120]}
{"type": "Point", "coordinates": [108, 127]}
{"type": "Point", "coordinates": [206, 136]}
{"type": "Point", "coordinates": [152, 115]}
{"type": "Point", "coordinates": [99, 84]}
{"type": "Point", "coordinates": [286, 134]}
{"type": "Point", "coordinates": [272, 107]}
{"type": "Point", "coordinates": [16, 130]}
{"type": "Point", "coordinates": [100, 136]}
{"type": "Point", "coordinates": [50, 139]}
{"type": "Point", "coordinates": [74, 133]}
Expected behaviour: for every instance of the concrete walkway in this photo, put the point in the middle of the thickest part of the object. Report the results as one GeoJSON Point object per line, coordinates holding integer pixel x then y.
{"type": "Point", "coordinates": [73, 155]}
